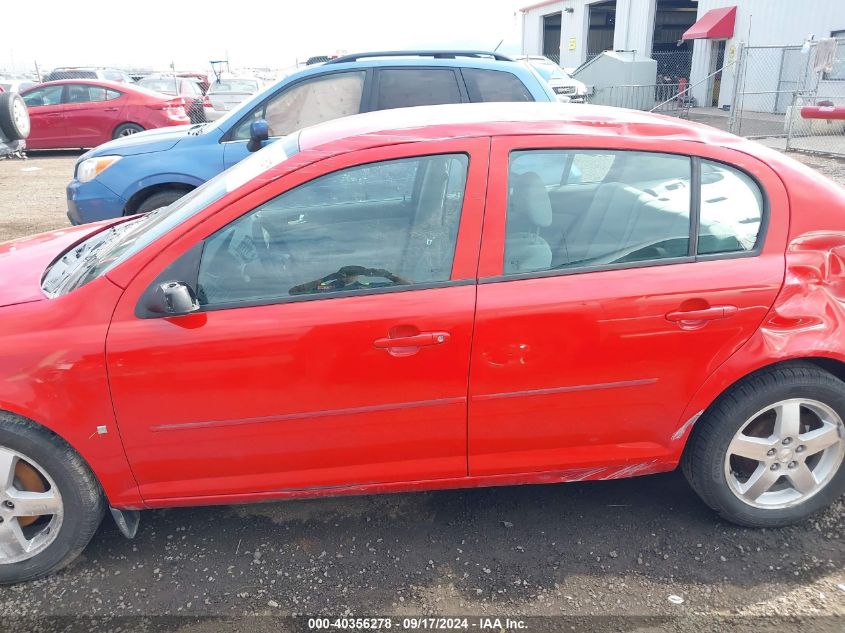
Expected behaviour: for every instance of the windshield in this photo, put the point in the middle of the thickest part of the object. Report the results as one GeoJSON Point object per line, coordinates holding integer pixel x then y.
{"type": "Point", "coordinates": [104, 250]}
{"type": "Point", "coordinates": [550, 71]}
{"type": "Point", "coordinates": [167, 86]}
{"type": "Point", "coordinates": [234, 85]}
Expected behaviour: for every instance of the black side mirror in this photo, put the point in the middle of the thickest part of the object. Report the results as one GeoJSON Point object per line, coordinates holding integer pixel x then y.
{"type": "Point", "coordinates": [173, 298]}
{"type": "Point", "coordinates": [259, 132]}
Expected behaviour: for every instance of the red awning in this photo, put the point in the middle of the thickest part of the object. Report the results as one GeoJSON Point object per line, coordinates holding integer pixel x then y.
{"type": "Point", "coordinates": [716, 24]}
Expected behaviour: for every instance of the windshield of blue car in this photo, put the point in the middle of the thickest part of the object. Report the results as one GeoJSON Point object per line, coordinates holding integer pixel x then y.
{"type": "Point", "coordinates": [106, 249]}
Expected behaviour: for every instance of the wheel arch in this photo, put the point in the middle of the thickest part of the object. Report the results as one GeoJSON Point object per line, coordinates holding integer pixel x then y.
{"type": "Point", "coordinates": [124, 494]}
{"type": "Point", "coordinates": [716, 387]}
{"type": "Point", "coordinates": [114, 129]}
{"type": "Point", "coordinates": [139, 196]}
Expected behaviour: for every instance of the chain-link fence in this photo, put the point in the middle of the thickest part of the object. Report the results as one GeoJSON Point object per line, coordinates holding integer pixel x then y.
{"type": "Point", "coordinates": [788, 92]}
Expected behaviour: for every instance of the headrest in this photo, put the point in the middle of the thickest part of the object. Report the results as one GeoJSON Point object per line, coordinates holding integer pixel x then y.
{"type": "Point", "coordinates": [529, 199]}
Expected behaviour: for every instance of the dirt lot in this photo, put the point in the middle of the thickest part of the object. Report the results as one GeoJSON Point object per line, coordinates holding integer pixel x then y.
{"type": "Point", "coordinates": [616, 548]}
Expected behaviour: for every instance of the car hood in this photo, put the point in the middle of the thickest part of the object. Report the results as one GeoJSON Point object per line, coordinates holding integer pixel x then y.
{"type": "Point", "coordinates": [23, 261]}
{"type": "Point", "coordinates": [147, 142]}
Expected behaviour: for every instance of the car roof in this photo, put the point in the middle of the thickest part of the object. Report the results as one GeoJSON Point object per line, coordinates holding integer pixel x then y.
{"type": "Point", "coordinates": [465, 120]}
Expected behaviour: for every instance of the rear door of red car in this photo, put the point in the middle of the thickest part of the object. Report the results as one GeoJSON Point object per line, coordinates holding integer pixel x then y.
{"type": "Point", "coordinates": [46, 117]}
{"type": "Point", "coordinates": [342, 379]}
{"type": "Point", "coordinates": [599, 316]}
{"type": "Point", "coordinates": [91, 113]}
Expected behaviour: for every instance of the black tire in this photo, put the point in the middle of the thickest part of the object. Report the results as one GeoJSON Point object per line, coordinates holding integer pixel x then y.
{"type": "Point", "coordinates": [82, 498]}
{"type": "Point", "coordinates": [703, 459]}
{"type": "Point", "coordinates": [160, 199]}
{"type": "Point", "coordinates": [127, 129]}
{"type": "Point", "coordinates": [14, 127]}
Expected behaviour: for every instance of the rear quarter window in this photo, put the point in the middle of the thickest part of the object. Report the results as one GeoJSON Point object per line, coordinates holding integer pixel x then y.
{"type": "Point", "coordinates": [494, 85]}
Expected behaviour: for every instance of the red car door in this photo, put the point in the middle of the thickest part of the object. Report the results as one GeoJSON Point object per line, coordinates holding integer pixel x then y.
{"type": "Point", "coordinates": [598, 315]}
{"type": "Point", "coordinates": [47, 125]}
{"type": "Point", "coordinates": [347, 365]}
{"type": "Point", "coordinates": [91, 114]}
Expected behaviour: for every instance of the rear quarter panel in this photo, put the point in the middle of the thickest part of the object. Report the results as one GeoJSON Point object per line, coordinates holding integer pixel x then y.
{"type": "Point", "coordinates": [807, 320]}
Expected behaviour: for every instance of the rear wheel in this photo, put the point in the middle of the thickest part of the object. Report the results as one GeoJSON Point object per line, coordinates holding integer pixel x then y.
{"type": "Point", "coordinates": [771, 451]}
{"type": "Point", "coordinates": [127, 129]}
{"type": "Point", "coordinates": [50, 502]}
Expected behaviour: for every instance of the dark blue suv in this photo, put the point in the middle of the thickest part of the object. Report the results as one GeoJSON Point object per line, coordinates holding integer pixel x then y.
{"type": "Point", "coordinates": [151, 169]}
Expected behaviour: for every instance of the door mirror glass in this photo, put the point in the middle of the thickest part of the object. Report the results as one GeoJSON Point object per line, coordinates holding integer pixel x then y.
{"type": "Point", "coordinates": [259, 132]}
{"type": "Point", "coordinates": [173, 298]}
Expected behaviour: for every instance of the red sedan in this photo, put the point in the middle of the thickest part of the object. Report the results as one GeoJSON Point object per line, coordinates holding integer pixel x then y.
{"type": "Point", "coordinates": [86, 113]}
{"type": "Point", "coordinates": [437, 297]}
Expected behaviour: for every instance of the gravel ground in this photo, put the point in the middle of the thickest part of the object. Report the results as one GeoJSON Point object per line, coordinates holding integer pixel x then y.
{"type": "Point", "coordinates": [591, 550]}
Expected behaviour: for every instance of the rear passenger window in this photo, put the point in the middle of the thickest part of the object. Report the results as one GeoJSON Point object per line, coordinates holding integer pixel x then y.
{"type": "Point", "coordinates": [731, 210]}
{"type": "Point", "coordinates": [404, 87]}
{"type": "Point", "coordinates": [570, 209]}
{"type": "Point", "coordinates": [494, 85]}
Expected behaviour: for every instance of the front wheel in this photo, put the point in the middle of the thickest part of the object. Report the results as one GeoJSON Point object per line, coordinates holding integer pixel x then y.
{"type": "Point", "coordinates": [127, 129]}
{"type": "Point", "coordinates": [50, 502]}
{"type": "Point", "coordinates": [770, 452]}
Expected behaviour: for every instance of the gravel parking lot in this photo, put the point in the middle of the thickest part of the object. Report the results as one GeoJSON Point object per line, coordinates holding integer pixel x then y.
{"type": "Point", "coordinates": [615, 548]}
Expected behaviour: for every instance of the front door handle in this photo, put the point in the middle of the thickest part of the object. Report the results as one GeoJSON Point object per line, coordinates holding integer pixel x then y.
{"type": "Point", "coordinates": [110, 109]}
{"type": "Point", "coordinates": [705, 314]}
{"type": "Point", "coordinates": [423, 339]}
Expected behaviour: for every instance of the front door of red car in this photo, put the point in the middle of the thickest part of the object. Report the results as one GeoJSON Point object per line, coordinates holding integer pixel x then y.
{"type": "Point", "coordinates": [333, 343]}
{"type": "Point", "coordinates": [47, 124]}
{"type": "Point", "coordinates": [601, 310]}
{"type": "Point", "coordinates": [91, 114]}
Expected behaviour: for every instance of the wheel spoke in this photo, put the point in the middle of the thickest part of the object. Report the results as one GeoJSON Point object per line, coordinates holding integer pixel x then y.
{"type": "Point", "coordinates": [820, 439]}
{"type": "Point", "coordinates": [751, 447]}
{"type": "Point", "coordinates": [12, 541]}
{"type": "Point", "coordinates": [34, 503]}
{"type": "Point", "coordinates": [760, 481]}
{"type": "Point", "coordinates": [788, 421]}
{"type": "Point", "coordinates": [8, 461]}
{"type": "Point", "coordinates": [802, 479]}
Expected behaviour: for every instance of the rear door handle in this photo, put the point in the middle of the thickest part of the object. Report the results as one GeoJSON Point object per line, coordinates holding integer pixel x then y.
{"type": "Point", "coordinates": [705, 314]}
{"type": "Point", "coordinates": [54, 114]}
{"type": "Point", "coordinates": [423, 339]}
{"type": "Point", "coordinates": [110, 109]}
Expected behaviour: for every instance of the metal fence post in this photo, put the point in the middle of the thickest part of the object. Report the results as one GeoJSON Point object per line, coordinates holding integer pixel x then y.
{"type": "Point", "coordinates": [739, 68]}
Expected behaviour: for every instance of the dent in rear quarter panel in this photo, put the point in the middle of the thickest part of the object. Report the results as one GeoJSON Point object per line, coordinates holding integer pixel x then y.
{"type": "Point", "coordinates": [52, 371]}
{"type": "Point", "coordinates": [808, 316]}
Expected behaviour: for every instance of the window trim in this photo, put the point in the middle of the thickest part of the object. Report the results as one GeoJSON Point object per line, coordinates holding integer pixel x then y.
{"type": "Point", "coordinates": [695, 211]}
{"type": "Point", "coordinates": [227, 137]}
{"type": "Point", "coordinates": [189, 263]}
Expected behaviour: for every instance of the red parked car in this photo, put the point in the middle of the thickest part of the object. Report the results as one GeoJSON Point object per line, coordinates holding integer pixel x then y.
{"type": "Point", "coordinates": [427, 298]}
{"type": "Point", "coordinates": [87, 113]}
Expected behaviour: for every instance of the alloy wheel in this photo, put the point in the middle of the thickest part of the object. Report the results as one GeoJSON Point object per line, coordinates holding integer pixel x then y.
{"type": "Point", "coordinates": [785, 453]}
{"type": "Point", "coordinates": [31, 508]}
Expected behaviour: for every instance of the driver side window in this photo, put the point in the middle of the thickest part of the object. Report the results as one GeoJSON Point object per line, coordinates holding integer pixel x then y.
{"type": "Point", "coordinates": [307, 103]}
{"type": "Point", "coordinates": [380, 225]}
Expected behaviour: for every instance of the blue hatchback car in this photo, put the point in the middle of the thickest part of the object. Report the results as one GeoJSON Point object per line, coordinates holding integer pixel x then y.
{"type": "Point", "coordinates": [151, 169]}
